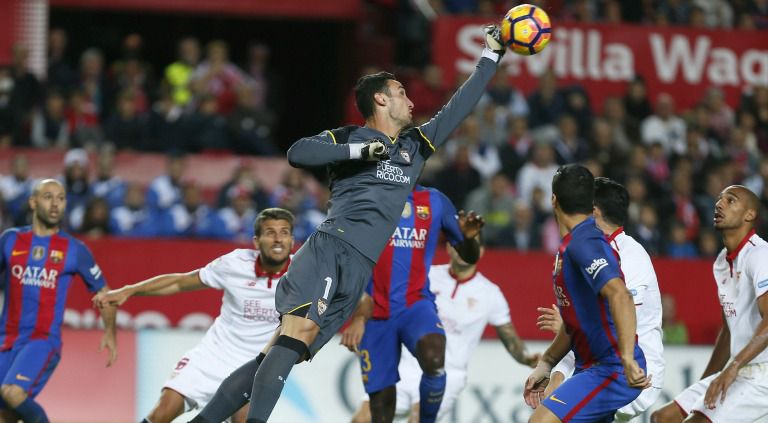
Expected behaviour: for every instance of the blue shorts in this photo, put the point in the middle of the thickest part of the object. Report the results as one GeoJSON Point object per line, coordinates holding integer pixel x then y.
{"type": "Point", "coordinates": [592, 395]}
{"type": "Point", "coordinates": [380, 347]}
{"type": "Point", "coordinates": [29, 365]}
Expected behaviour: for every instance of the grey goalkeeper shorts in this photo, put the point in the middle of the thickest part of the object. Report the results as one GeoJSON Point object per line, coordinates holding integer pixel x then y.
{"type": "Point", "coordinates": [323, 283]}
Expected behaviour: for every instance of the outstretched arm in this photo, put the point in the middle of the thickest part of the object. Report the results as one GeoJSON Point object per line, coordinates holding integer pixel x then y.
{"type": "Point", "coordinates": [515, 346]}
{"type": "Point", "coordinates": [470, 225]}
{"type": "Point", "coordinates": [109, 339]}
{"type": "Point", "coordinates": [169, 284]}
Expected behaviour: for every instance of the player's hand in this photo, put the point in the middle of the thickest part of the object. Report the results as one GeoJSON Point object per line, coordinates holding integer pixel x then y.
{"type": "Point", "coordinates": [555, 379]}
{"type": "Point", "coordinates": [470, 224]}
{"type": "Point", "coordinates": [374, 151]}
{"type": "Point", "coordinates": [536, 384]}
{"type": "Point", "coordinates": [635, 375]}
{"type": "Point", "coordinates": [549, 319]}
{"type": "Point", "coordinates": [493, 40]}
{"type": "Point", "coordinates": [353, 334]}
{"type": "Point", "coordinates": [115, 297]}
{"type": "Point", "coordinates": [109, 341]}
{"type": "Point", "coordinates": [531, 360]}
{"type": "Point", "coordinates": [720, 384]}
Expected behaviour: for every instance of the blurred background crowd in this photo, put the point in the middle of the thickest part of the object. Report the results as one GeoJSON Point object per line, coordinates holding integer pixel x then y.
{"type": "Point", "coordinates": [207, 98]}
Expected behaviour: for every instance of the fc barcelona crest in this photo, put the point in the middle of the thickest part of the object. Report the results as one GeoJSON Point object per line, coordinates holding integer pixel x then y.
{"type": "Point", "coordinates": [38, 253]}
{"type": "Point", "coordinates": [57, 256]}
{"type": "Point", "coordinates": [422, 212]}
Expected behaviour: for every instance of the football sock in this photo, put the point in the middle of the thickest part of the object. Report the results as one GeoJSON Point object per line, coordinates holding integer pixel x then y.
{"type": "Point", "coordinates": [271, 376]}
{"type": "Point", "coordinates": [233, 393]}
{"type": "Point", "coordinates": [431, 390]}
{"type": "Point", "coordinates": [31, 412]}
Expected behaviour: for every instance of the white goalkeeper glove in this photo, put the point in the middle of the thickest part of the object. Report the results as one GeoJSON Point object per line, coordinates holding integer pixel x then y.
{"type": "Point", "coordinates": [372, 150]}
{"type": "Point", "coordinates": [494, 47]}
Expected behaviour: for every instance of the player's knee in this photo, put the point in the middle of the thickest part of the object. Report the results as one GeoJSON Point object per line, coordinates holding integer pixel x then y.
{"type": "Point", "coordinates": [431, 354]}
{"type": "Point", "coordinates": [667, 414]}
{"type": "Point", "coordinates": [163, 413]}
{"type": "Point", "coordinates": [13, 395]}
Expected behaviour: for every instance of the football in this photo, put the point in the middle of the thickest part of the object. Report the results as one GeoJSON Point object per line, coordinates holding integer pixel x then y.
{"type": "Point", "coordinates": [526, 29]}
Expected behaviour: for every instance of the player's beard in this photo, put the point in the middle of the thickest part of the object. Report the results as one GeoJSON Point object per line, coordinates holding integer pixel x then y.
{"type": "Point", "coordinates": [271, 261]}
{"type": "Point", "coordinates": [45, 219]}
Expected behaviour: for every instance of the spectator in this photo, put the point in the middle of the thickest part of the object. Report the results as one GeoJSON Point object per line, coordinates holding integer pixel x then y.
{"type": "Point", "coordinates": [547, 103]}
{"type": "Point", "coordinates": [132, 75]}
{"type": "Point", "coordinates": [15, 190]}
{"type": "Point", "coordinates": [515, 150]}
{"type": "Point", "coordinates": [165, 190]}
{"type": "Point", "coordinates": [674, 331]}
{"type": "Point", "coordinates": [238, 217]}
{"type": "Point", "coordinates": [676, 11]}
{"type": "Point", "coordinates": [604, 151]}
{"type": "Point", "coordinates": [657, 164]}
{"type": "Point", "coordinates": [83, 121]}
{"type": "Point", "coordinates": [577, 106]}
{"type": "Point", "coordinates": [483, 155]}
{"type": "Point", "coordinates": [646, 232]}
{"type": "Point", "coordinates": [135, 218]}
{"type": "Point", "coordinates": [745, 161]}
{"type": "Point", "coordinates": [26, 94]}
{"type": "Point", "coordinates": [218, 76]}
{"type": "Point", "coordinates": [95, 90]}
{"type": "Point", "coordinates": [637, 196]}
{"type": "Point", "coordinates": [206, 127]}
{"type": "Point", "coordinates": [293, 193]}
{"type": "Point", "coordinates": [506, 97]}
{"type": "Point", "coordinates": [569, 146]}
{"type": "Point", "coordinates": [178, 75]}
{"type": "Point", "coordinates": [251, 125]}
{"type": "Point", "coordinates": [49, 126]}
{"type": "Point", "coordinates": [721, 115]}
{"type": "Point", "coordinates": [95, 218]}
{"type": "Point", "coordinates": [623, 134]}
{"type": "Point", "coordinates": [75, 179]}
{"type": "Point", "coordinates": [526, 234]}
{"type": "Point", "coordinates": [636, 102]}
{"type": "Point", "coordinates": [307, 222]}
{"type": "Point", "coordinates": [107, 185]}
{"type": "Point", "coordinates": [428, 88]}
{"type": "Point", "coordinates": [242, 175]}
{"type": "Point", "coordinates": [717, 13]}
{"type": "Point", "coordinates": [127, 129]}
{"type": "Point", "coordinates": [193, 218]}
{"type": "Point", "coordinates": [678, 245]}
{"type": "Point", "coordinates": [538, 173]}
{"type": "Point", "coordinates": [705, 201]}
{"type": "Point", "coordinates": [496, 203]}
{"type": "Point", "coordinates": [681, 207]}
{"type": "Point", "coordinates": [7, 124]}
{"type": "Point", "coordinates": [267, 84]}
{"type": "Point", "coordinates": [458, 178]}
{"type": "Point", "coordinates": [61, 74]}
{"type": "Point", "coordinates": [665, 127]}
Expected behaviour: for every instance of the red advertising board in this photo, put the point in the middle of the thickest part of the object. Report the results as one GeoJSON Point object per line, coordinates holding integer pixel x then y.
{"type": "Point", "coordinates": [602, 58]}
{"type": "Point", "coordinates": [525, 280]}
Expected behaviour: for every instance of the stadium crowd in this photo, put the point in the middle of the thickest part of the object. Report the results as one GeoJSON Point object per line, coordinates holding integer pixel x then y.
{"type": "Point", "coordinates": [500, 163]}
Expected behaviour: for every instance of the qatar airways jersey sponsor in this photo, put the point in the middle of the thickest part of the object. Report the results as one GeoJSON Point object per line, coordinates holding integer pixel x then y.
{"type": "Point", "coordinates": [466, 307]}
{"type": "Point", "coordinates": [742, 277]}
{"type": "Point", "coordinates": [248, 317]}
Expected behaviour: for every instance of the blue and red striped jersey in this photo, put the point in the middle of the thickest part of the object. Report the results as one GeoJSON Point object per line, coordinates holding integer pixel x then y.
{"type": "Point", "coordinates": [585, 262]}
{"type": "Point", "coordinates": [38, 271]}
{"type": "Point", "coordinates": [400, 277]}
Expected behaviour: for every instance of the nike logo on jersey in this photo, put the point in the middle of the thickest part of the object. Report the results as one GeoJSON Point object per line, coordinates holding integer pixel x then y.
{"type": "Point", "coordinates": [15, 253]}
{"type": "Point", "coordinates": [20, 376]}
{"type": "Point", "coordinates": [556, 399]}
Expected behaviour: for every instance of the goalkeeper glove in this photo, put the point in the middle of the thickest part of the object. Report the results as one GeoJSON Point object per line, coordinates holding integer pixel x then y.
{"type": "Point", "coordinates": [494, 47]}
{"type": "Point", "coordinates": [373, 150]}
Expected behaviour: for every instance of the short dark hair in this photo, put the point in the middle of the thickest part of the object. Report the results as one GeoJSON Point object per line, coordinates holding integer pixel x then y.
{"type": "Point", "coordinates": [273, 213]}
{"type": "Point", "coordinates": [613, 200]}
{"type": "Point", "coordinates": [573, 186]}
{"type": "Point", "coordinates": [366, 87]}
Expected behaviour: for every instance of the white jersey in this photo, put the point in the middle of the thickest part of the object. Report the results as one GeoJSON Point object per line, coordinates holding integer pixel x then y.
{"type": "Point", "coordinates": [248, 317]}
{"type": "Point", "coordinates": [742, 277]}
{"type": "Point", "coordinates": [465, 307]}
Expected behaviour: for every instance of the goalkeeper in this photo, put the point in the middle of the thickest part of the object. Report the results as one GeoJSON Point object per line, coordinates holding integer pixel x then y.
{"type": "Point", "coordinates": [372, 170]}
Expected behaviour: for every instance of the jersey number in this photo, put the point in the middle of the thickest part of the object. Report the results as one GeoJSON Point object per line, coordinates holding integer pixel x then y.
{"type": "Point", "coordinates": [365, 358]}
{"type": "Point", "coordinates": [328, 282]}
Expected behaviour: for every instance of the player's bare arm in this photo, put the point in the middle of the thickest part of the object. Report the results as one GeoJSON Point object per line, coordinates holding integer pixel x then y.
{"type": "Point", "coordinates": [623, 311]}
{"type": "Point", "coordinates": [353, 334]}
{"type": "Point", "coordinates": [470, 225]}
{"type": "Point", "coordinates": [718, 388]}
{"type": "Point", "coordinates": [539, 379]}
{"type": "Point", "coordinates": [109, 339]}
{"type": "Point", "coordinates": [168, 284]}
{"type": "Point", "coordinates": [515, 346]}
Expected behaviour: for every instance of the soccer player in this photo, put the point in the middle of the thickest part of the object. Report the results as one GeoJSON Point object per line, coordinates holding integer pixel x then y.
{"type": "Point", "coordinates": [373, 169]}
{"type": "Point", "coordinates": [598, 316]}
{"type": "Point", "coordinates": [610, 211]}
{"type": "Point", "coordinates": [39, 262]}
{"type": "Point", "coordinates": [467, 301]}
{"type": "Point", "coordinates": [247, 321]}
{"type": "Point", "coordinates": [403, 307]}
{"type": "Point", "coordinates": [738, 391]}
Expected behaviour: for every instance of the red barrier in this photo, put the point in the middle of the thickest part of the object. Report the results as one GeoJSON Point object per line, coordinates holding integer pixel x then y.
{"type": "Point", "coordinates": [524, 278]}
{"type": "Point", "coordinates": [602, 58]}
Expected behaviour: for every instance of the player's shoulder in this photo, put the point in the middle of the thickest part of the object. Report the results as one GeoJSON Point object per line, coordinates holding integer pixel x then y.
{"type": "Point", "coordinates": [245, 255]}
{"type": "Point", "coordinates": [342, 134]}
{"type": "Point", "coordinates": [630, 248]}
{"type": "Point", "coordinates": [757, 254]}
{"type": "Point", "coordinates": [14, 231]}
{"type": "Point", "coordinates": [483, 282]}
{"type": "Point", "coordinates": [439, 273]}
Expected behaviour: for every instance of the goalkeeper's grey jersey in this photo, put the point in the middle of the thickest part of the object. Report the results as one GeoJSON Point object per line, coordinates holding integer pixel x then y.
{"type": "Point", "coordinates": [367, 198]}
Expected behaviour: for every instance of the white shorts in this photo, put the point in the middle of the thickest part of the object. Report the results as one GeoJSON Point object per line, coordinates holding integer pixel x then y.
{"type": "Point", "coordinates": [646, 398]}
{"type": "Point", "coordinates": [746, 399]}
{"type": "Point", "coordinates": [199, 373]}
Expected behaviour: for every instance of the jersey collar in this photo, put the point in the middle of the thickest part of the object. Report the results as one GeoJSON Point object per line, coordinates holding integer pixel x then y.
{"type": "Point", "coordinates": [615, 233]}
{"type": "Point", "coordinates": [261, 273]}
{"type": "Point", "coordinates": [460, 281]}
{"type": "Point", "coordinates": [731, 255]}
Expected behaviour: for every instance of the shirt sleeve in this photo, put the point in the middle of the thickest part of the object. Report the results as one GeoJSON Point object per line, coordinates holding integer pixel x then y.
{"type": "Point", "coordinates": [216, 273]}
{"type": "Point", "coordinates": [449, 221]}
{"type": "Point", "coordinates": [3, 240]}
{"type": "Point", "coordinates": [638, 274]}
{"type": "Point", "coordinates": [596, 261]}
{"type": "Point", "coordinates": [757, 269]}
{"type": "Point", "coordinates": [499, 309]}
{"type": "Point", "coordinates": [318, 150]}
{"type": "Point", "coordinates": [567, 365]}
{"type": "Point", "coordinates": [88, 269]}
